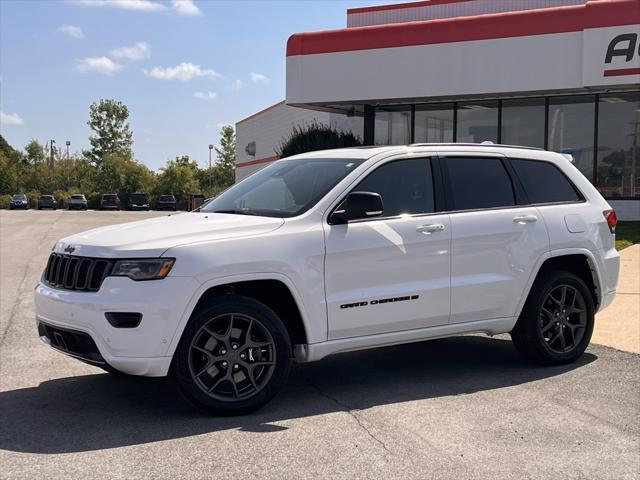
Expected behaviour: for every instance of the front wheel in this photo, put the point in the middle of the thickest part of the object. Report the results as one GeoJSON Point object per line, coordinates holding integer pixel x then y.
{"type": "Point", "coordinates": [557, 320]}
{"type": "Point", "coordinates": [234, 356]}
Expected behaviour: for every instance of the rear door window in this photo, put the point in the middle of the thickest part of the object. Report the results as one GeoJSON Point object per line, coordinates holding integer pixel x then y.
{"type": "Point", "coordinates": [543, 182]}
{"type": "Point", "coordinates": [479, 183]}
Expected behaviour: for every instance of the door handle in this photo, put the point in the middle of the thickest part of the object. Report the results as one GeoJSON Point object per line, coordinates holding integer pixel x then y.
{"type": "Point", "coordinates": [430, 228]}
{"type": "Point", "coordinates": [522, 219]}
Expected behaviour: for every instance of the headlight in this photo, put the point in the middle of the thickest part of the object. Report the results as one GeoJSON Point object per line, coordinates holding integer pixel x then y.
{"type": "Point", "coordinates": [143, 269]}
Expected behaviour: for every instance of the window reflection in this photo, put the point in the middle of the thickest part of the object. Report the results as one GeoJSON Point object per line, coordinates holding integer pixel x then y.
{"type": "Point", "coordinates": [571, 129]}
{"type": "Point", "coordinates": [478, 122]}
{"type": "Point", "coordinates": [393, 126]}
{"type": "Point", "coordinates": [434, 123]}
{"type": "Point", "coordinates": [523, 122]}
{"type": "Point", "coordinates": [619, 145]}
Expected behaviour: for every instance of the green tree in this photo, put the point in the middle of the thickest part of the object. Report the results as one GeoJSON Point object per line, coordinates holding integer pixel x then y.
{"type": "Point", "coordinates": [112, 134]}
{"type": "Point", "coordinates": [315, 136]}
{"type": "Point", "coordinates": [34, 153]}
{"type": "Point", "coordinates": [123, 175]}
{"type": "Point", "coordinates": [224, 172]}
{"type": "Point", "coordinates": [178, 177]}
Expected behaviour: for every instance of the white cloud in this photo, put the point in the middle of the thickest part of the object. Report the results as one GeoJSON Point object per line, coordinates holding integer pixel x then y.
{"type": "Point", "coordinates": [72, 31]}
{"type": "Point", "coordinates": [102, 65]}
{"type": "Point", "coordinates": [11, 119]}
{"type": "Point", "coordinates": [185, 7]}
{"type": "Point", "coordinates": [205, 95]}
{"type": "Point", "coordinates": [136, 52]}
{"type": "Point", "coordinates": [258, 78]}
{"type": "Point", "coordinates": [181, 7]}
{"type": "Point", "coordinates": [184, 71]}
{"type": "Point", "coordinates": [237, 85]}
{"type": "Point", "coordinates": [137, 5]}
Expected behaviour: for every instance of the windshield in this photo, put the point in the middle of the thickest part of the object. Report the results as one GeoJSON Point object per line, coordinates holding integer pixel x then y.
{"type": "Point", "coordinates": [166, 198]}
{"type": "Point", "coordinates": [285, 188]}
{"type": "Point", "coordinates": [77, 197]}
{"type": "Point", "coordinates": [46, 197]}
{"type": "Point", "coordinates": [109, 196]}
{"type": "Point", "coordinates": [139, 198]}
{"type": "Point", "coordinates": [19, 197]}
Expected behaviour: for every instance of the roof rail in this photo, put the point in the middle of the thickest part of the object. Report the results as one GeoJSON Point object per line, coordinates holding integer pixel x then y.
{"type": "Point", "coordinates": [484, 144]}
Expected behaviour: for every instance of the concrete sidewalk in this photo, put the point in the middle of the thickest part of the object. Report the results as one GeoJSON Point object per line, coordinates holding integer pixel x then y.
{"type": "Point", "coordinates": [618, 326]}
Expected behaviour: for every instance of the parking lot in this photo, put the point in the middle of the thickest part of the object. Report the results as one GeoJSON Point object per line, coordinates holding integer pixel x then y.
{"type": "Point", "coordinates": [467, 407]}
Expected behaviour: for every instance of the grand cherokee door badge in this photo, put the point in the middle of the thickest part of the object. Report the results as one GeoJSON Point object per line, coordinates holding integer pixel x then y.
{"type": "Point", "coordinates": [381, 301]}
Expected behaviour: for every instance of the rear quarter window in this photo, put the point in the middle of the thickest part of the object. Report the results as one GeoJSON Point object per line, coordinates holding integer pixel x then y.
{"type": "Point", "coordinates": [543, 182]}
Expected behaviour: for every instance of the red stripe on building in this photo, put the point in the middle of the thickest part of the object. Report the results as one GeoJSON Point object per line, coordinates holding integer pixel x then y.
{"type": "Point", "coordinates": [256, 162]}
{"type": "Point", "coordinates": [400, 6]}
{"type": "Point", "coordinates": [260, 112]}
{"type": "Point", "coordinates": [543, 21]}
{"type": "Point", "coordinates": [619, 72]}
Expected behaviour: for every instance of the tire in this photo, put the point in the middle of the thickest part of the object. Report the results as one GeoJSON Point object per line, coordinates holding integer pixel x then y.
{"type": "Point", "coordinates": [206, 359]}
{"type": "Point", "coordinates": [555, 328]}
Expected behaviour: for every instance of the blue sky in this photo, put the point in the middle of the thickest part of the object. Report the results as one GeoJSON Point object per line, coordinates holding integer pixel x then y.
{"type": "Point", "coordinates": [182, 67]}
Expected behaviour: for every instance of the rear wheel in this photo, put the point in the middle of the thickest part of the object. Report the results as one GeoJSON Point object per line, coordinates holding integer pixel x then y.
{"type": "Point", "coordinates": [557, 320]}
{"type": "Point", "coordinates": [234, 356]}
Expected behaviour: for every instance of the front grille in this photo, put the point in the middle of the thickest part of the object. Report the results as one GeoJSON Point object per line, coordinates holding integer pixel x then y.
{"type": "Point", "coordinates": [76, 273]}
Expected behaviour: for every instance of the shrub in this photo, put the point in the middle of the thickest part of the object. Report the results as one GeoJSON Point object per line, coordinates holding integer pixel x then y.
{"type": "Point", "coordinates": [315, 136]}
{"type": "Point", "coordinates": [5, 200]}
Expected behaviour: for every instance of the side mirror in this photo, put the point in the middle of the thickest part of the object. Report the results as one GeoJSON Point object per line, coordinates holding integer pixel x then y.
{"type": "Point", "coordinates": [356, 206]}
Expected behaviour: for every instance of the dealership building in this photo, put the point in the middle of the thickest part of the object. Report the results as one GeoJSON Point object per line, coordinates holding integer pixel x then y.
{"type": "Point", "coordinates": [563, 75]}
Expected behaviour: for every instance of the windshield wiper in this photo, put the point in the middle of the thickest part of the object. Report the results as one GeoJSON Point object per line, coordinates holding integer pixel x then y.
{"type": "Point", "coordinates": [236, 212]}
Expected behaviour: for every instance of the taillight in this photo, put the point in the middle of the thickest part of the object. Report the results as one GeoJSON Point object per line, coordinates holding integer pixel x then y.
{"type": "Point", "coordinates": [612, 219]}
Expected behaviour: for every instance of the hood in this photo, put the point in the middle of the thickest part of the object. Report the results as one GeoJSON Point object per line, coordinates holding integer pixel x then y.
{"type": "Point", "coordinates": [153, 236]}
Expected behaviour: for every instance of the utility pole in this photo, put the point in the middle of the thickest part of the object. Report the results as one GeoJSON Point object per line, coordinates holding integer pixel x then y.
{"type": "Point", "coordinates": [51, 146]}
{"type": "Point", "coordinates": [210, 171]}
{"type": "Point", "coordinates": [67, 143]}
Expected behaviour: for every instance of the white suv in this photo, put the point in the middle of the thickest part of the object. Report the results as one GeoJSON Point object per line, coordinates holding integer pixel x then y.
{"type": "Point", "coordinates": [334, 251]}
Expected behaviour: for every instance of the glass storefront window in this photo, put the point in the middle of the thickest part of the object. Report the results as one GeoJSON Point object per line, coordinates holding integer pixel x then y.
{"type": "Point", "coordinates": [571, 129]}
{"type": "Point", "coordinates": [523, 122]}
{"type": "Point", "coordinates": [393, 126]}
{"type": "Point", "coordinates": [433, 123]}
{"type": "Point", "coordinates": [619, 145]}
{"type": "Point", "coordinates": [477, 122]}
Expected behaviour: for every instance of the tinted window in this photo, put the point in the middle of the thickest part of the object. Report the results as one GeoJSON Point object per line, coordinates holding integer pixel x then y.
{"type": "Point", "coordinates": [406, 186]}
{"type": "Point", "coordinates": [166, 198]}
{"type": "Point", "coordinates": [77, 197]}
{"type": "Point", "coordinates": [479, 183]}
{"type": "Point", "coordinates": [544, 182]}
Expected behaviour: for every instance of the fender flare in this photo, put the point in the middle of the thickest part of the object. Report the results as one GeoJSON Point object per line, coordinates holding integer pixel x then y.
{"type": "Point", "coordinates": [562, 252]}
{"type": "Point", "coordinates": [218, 281]}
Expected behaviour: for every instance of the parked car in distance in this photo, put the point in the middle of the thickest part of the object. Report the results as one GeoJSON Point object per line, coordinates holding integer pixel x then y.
{"type": "Point", "coordinates": [77, 201]}
{"type": "Point", "coordinates": [19, 200]}
{"type": "Point", "coordinates": [335, 251]}
{"type": "Point", "coordinates": [138, 201]}
{"type": "Point", "coordinates": [166, 202]}
{"type": "Point", "coordinates": [110, 201]}
{"type": "Point", "coordinates": [47, 201]}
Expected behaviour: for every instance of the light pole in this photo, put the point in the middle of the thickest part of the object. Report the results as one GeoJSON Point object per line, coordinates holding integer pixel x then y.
{"type": "Point", "coordinates": [210, 171]}
{"type": "Point", "coordinates": [68, 144]}
{"type": "Point", "coordinates": [52, 145]}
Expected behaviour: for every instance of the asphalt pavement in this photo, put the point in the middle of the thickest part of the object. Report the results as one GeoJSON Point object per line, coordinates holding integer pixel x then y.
{"type": "Point", "coordinates": [465, 407]}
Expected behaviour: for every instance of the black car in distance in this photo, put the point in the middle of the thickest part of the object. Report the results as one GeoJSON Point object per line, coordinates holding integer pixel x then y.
{"type": "Point", "coordinates": [47, 201]}
{"type": "Point", "coordinates": [110, 201]}
{"type": "Point", "coordinates": [166, 202]}
{"type": "Point", "coordinates": [19, 200]}
{"type": "Point", "coordinates": [138, 201]}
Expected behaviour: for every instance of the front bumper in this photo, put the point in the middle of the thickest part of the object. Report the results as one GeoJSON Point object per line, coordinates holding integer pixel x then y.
{"type": "Point", "coordinates": [143, 350]}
